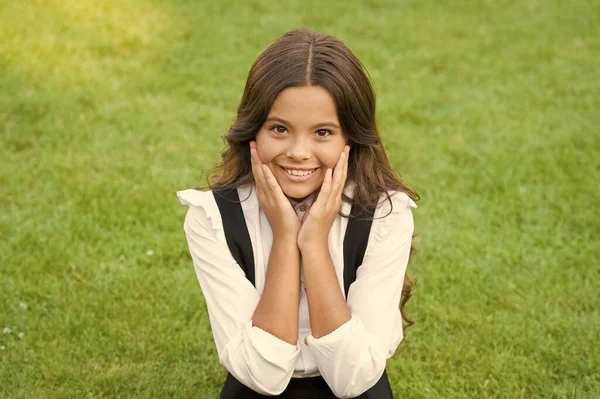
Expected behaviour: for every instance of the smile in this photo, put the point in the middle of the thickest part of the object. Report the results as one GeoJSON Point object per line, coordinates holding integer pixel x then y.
{"type": "Point", "coordinates": [297, 172]}
{"type": "Point", "coordinates": [298, 175]}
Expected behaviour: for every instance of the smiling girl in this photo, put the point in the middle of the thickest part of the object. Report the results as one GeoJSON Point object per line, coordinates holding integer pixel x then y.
{"type": "Point", "coordinates": [302, 242]}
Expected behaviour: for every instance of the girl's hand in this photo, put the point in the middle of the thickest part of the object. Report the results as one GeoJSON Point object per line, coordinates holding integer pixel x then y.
{"type": "Point", "coordinates": [318, 219]}
{"type": "Point", "coordinates": [276, 206]}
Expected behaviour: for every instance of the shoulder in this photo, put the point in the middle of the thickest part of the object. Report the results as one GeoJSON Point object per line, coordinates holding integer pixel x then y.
{"type": "Point", "coordinates": [203, 213]}
{"type": "Point", "coordinates": [393, 202]}
{"type": "Point", "coordinates": [389, 202]}
{"type": "Point", "coordinates": [393, 217]}
{"type": "Point", "coordinates": [193, 197]}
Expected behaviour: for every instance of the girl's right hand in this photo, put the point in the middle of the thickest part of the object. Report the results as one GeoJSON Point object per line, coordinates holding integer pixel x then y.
{"type": "Point", "coordinates": [276, 206]}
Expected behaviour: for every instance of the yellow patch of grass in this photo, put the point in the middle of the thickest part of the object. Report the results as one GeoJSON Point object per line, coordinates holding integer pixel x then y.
{"type": "Point", "coordinates": [71, 40]}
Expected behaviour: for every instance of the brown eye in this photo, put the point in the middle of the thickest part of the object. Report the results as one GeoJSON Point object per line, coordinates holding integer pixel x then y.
{"type": "Point", "coordinates": [323, 133]}
{"type": "Point", "coordinates": [279, 129]}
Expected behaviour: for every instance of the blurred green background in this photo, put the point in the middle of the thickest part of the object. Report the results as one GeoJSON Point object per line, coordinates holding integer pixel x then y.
{"type": "Point", "coordinates": [489, 109]}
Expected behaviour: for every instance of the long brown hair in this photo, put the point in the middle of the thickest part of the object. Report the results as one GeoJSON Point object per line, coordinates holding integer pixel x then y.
{"type": "Point", "coordinates": [304, 58]}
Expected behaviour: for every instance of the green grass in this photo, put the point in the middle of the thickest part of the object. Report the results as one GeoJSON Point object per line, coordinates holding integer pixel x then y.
{"type": "Point", "coordinates": [489, 109]}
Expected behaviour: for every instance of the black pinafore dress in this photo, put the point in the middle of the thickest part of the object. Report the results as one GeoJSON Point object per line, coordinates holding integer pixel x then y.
{"type": "Point", "coordinates": [240, 246]}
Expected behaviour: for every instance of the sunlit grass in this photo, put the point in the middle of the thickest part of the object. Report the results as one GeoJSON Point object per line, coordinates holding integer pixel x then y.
{"type": "Point", "coordinates": [73, 42]}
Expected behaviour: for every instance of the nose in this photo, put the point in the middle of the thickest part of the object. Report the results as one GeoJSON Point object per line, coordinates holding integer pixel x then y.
{"type": "Point", "coordinates": [298, 149]}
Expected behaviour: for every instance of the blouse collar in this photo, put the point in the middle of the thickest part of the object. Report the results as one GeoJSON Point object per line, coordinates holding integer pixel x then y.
{"type": "Point", "coordinates": [304, 204]}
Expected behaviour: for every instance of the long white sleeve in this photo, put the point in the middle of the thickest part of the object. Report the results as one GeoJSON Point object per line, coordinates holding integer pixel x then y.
{"type": "Point", "coordinates": [254, 357]}
{"type": "Point", "coordinates": [352, 358]}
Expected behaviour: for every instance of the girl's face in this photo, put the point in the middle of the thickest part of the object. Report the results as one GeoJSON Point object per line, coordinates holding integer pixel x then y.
{"type": "Point", "coordinates": [300, 139]}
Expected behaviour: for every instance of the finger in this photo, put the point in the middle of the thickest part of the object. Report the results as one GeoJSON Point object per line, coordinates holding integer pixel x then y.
{"type": "Point", "coordinates": [252, 147]}
{"type": "Point", "coordinates": [255, 148]}
{"type": "Point", "coordinates": [323, 197]}
{"type": "Point", "coordinates": [256, 166]}
{"type": "Point", "coordinates": [254, 154]}
{"type": "Point", "coordinates": [345, 174]}
{"type": "Point", "coordinates": [259, 176]}
{"type": "Point", "coordinates": [337, 180]}
{"type": "Point", "coordinates": [270, 180]}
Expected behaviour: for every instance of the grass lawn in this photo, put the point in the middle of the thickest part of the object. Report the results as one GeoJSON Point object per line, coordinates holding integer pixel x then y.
{"type": "Point", "coordinates": [491, 110]}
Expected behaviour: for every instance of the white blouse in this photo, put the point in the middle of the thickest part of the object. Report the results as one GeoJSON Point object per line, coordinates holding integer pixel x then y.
{"type": "Point", "coordinates": [352, 358]}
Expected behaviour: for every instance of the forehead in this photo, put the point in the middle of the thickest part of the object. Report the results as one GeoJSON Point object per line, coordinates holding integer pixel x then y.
{"type": "Point", "coordinates": [305, 105]}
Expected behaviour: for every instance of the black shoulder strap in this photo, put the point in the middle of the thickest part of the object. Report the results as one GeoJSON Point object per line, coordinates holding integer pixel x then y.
{"type": "Point", "coordinates": [355, 244]}
{"type": "Point", "coordinates": [240, 245]}
{"type": "Point", "coordinates": [236, 230]}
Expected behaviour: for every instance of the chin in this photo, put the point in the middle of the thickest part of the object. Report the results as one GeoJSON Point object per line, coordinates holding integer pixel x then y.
{"type": "Point", "coordinates": [298, 192]}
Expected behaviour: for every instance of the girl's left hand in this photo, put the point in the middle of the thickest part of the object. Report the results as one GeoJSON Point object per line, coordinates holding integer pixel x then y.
{"type": "Point", "coordinates": [318, 219]}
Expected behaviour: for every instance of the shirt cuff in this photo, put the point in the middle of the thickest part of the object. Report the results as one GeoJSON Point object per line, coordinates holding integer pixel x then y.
{"type": "Point", "coordinates": [331, 339]}
{"type": "Point", "coordinates": [272, 348]}
{"type": "Point", "coordinates": [348, 358]}
{"type": "Point", "coordinates": [260, 361]}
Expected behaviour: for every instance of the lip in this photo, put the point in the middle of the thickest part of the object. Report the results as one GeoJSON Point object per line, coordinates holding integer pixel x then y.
{"type": "Point", "coordinates": [299, 179]}
{"type": "Point", "coordinates": [297, 168]}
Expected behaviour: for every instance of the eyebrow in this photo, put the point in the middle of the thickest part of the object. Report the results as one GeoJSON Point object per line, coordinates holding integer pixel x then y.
{"type": "Point", "coordinates": [276, 119]}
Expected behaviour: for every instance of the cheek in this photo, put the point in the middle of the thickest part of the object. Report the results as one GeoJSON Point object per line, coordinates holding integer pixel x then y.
{"type": "Point", "coordinates": [265, 147]}
{"type": "Point", "coordinates": [265, 155]}
{"type": "Point", "coordinates": [330, 156]}
{"type": "Point", "coordinates": [330, 161]}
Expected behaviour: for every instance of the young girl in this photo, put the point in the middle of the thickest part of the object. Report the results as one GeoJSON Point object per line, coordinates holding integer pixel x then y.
{"type": "Point", "coordinates": [301, 244]}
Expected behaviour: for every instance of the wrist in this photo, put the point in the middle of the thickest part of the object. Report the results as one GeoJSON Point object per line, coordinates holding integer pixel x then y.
{"type": "Point", "coordinates": [313, 244]}
{"type": "Point", "coordinates": [287, 241]}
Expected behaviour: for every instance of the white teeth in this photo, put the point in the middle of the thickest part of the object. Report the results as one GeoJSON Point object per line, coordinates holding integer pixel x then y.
{"type": "Point", "coordinates": [299, 172]}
